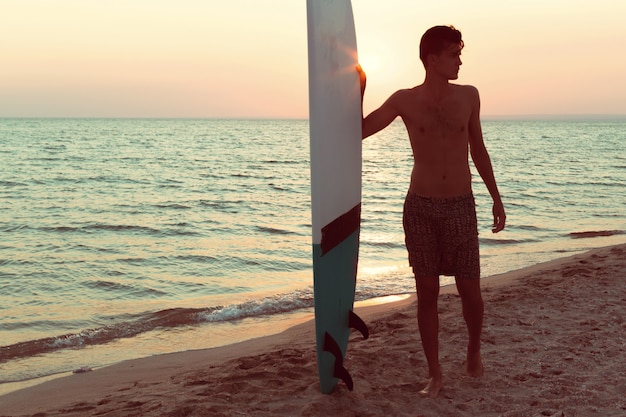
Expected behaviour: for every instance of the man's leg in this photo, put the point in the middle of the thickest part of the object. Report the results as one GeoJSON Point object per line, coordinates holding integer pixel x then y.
{"type": "Point", "coordinates": [428, 322]}
{"type": "Point", "coordinates": [473, 310]}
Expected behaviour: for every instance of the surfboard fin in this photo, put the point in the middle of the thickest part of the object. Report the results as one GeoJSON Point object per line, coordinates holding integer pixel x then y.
{"type": "Point", "coordinates": [339, 371]}
{"type": "Point", "coordinates": [343, 374]}
{"type": "Point", "coordinates": [331, 346]}
{"type": "Point", "coordinates": [355, 322]}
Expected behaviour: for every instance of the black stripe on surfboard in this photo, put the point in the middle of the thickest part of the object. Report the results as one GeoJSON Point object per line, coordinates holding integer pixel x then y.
{"type": "Point", "coordinates": [339, 229]}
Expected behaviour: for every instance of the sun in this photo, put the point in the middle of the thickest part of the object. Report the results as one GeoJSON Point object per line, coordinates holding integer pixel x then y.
{"type": "Point", "coordinates": [371, 63]}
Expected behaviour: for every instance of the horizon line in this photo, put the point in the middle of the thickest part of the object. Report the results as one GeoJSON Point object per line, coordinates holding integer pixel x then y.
{"type": "Point", "coordinates": [530, 116]}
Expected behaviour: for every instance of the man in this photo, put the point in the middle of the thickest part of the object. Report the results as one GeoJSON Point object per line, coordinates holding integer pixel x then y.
{"type": "Point", "coordinates": [442, 120]}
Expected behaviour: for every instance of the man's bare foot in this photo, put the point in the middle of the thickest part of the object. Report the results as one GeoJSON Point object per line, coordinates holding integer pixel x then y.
{"type": "Point", "coordinates": [435, 383]}
{"type": "Point", "coordinates": [474, 365]}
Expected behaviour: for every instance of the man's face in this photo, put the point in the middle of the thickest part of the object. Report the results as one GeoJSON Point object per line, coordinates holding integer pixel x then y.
{"type": "Point", "coordinates": [448, 62]}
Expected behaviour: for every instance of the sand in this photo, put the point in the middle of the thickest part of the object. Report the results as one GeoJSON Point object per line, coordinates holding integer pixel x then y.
{"type": "Point", "coordinates": [554, 344]}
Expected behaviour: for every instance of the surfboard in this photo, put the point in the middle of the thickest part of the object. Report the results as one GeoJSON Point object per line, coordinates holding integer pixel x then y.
{"type": "Point", "coordinates": [335, 139]}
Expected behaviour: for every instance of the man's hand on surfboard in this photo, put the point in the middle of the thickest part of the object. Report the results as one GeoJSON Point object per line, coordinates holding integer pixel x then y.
{"type": "Point", "coordinates": [362, 79]}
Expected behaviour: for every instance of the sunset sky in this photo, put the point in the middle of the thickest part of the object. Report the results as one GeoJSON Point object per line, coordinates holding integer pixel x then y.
{"type": "Point", "coordinates": [248, 58]}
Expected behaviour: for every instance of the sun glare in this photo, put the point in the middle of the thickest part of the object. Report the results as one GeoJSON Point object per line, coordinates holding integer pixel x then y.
{"type": "Point", "coordinates": [370, 63]}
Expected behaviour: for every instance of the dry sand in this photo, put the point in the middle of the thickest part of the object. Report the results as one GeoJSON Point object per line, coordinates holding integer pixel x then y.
{"type": "Point", "coordinates": [553, 345]}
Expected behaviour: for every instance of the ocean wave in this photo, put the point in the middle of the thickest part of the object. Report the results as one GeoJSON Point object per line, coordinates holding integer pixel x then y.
{"type": "Point", "coordinates": [175, 206]}
{"type": "Point", "coordinates": [278, 187]}
{"type": "Point", "coordinates": [101, 227]}
{"type": "Point", "coordinates": [495, 242]}
{"type": "Point", "coordinates": [124, 289]}
{"type": "Point", "coordinates": [283, 162]}
{"type": "Point", "coordinates": [162, 319]}
{"type": "Point", "coordinates": [279, 304]}
{"type": "Point", "coordinates": [172, 318]}
{"type": "Point", "coordinates": [388, 245]}
{"type": "Point", "coordinates": [15, 228]}
{"type": "Point", "coordinates": [130, 229]}
{"type": "Point", "coordinates": [527, 227]}
{"type": "Point", "coordinates": [226, 206]}
{"type": "Point", "coordinates": [196, 258]}
{"type": "Point", "coordinates": [273, 231]}
{"type": "Point", "coordinates": [12, 184]}
{"type": "Point", "coordinates": [282, 303]}
{"type": "Point", "coordinates": [107, 179]}
{"type": "Point", "coordinates": [599, 233]}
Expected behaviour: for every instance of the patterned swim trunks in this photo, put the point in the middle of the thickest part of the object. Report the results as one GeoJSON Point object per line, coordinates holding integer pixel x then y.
{"type": "Point", "coordinates": [441, 236]}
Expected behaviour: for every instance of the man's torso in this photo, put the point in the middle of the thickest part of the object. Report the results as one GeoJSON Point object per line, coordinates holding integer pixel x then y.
{"type": "Point", "coordinates": [439, 135]}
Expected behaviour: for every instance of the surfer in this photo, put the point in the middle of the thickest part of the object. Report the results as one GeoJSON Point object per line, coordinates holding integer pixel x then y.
{"type": "Point", "coordinates": [442, 121]}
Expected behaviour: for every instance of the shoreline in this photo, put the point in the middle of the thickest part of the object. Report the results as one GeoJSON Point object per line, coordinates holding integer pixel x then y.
{"type": "Point", "coordinates": [526, 310]}
{"type": "Point", "coordinates": [252, 327]}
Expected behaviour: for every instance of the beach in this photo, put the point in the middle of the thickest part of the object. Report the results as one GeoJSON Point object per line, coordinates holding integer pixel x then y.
{"type": "Point", "coordinates": [554, 344]}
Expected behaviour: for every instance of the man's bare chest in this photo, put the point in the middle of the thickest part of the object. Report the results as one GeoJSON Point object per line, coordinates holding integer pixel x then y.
{"type": "Point", "coordinates": [421, 108]}
{"type": "Point", "coordinates": [446, 120]}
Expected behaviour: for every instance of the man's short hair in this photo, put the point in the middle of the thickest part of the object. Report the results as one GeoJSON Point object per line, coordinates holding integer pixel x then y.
{"type": "Point", "coordinates": [436, 39]}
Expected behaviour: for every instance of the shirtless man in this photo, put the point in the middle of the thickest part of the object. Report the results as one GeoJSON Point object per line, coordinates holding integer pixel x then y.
{"type": "Point", "coordinates": [442, 121]}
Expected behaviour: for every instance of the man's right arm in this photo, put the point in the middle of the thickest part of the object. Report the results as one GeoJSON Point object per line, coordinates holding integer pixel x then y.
{"type": "Point", "coordinates": [381, 117]}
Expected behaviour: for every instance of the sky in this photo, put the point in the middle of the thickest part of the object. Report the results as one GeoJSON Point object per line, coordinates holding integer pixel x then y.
{"type": "Point", "coordinates": [248, 58]}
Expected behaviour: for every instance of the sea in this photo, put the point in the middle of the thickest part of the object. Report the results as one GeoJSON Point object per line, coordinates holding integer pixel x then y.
{"type": "Point", "coordinates": [126, 238]}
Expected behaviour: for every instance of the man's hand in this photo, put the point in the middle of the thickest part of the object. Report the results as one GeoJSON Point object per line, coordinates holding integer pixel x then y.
{"type": "Point", "coordinates": [362, 79]}
{"type": "Point", "coordinates": [499, 217]}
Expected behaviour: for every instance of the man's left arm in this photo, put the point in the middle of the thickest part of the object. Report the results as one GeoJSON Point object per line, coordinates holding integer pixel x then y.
{"type": "Point", "coordinates": [482, 161]}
